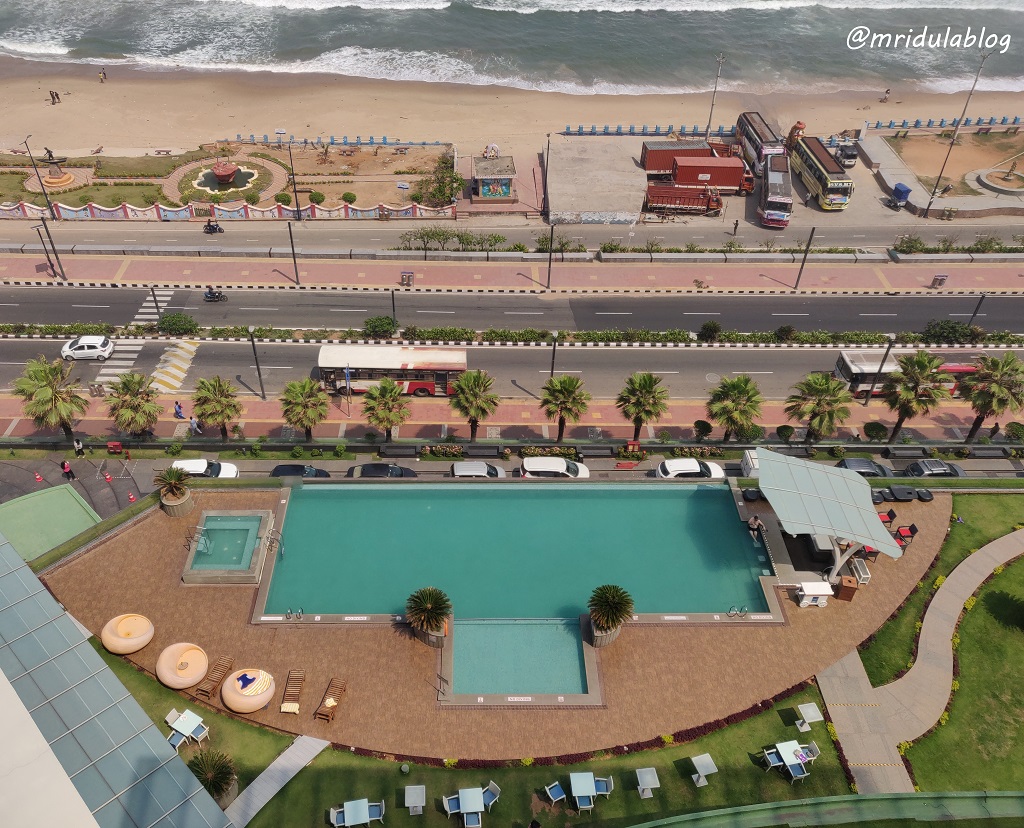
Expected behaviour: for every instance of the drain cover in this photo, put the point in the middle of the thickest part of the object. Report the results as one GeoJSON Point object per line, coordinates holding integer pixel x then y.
{"type": "Point", "coordinates": [713, 377]}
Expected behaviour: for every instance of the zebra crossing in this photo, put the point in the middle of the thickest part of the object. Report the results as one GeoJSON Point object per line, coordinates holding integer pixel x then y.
{"type": "Point", "coordinates": [121, 361]}
{"type": "Point", "coordinates": [173, 366]}
{"type": "Point", "coordinates": [149, 313]}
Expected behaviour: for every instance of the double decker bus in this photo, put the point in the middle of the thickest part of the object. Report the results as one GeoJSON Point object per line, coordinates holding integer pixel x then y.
{"type": "Point", "coordinates": [824, 177]}
{"type": "Point", "coordinates": [422, 372]}
{"type": "Point", "coordinates": [758, 140]}
{"type": "Point", "coordinates": [859, 369]}
{"type": "Point", "coordinates": [775, 202]}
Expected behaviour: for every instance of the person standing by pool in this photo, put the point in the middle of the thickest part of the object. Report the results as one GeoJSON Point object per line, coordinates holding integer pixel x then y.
{"type": "Point", "coordinates": [755, 525]}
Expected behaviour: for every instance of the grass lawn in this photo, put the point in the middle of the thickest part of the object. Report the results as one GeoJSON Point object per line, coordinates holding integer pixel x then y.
{"type": "Point", "coordinates": [985, 731]}
{"type": "Point", "coordinates": [11, 189]}
{"type": "Point", "coordinates": [986, 517]}
{"type": "Point", "coordinates": [111, 196]}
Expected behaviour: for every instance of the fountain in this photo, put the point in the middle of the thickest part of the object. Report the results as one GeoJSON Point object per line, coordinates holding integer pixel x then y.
{"type": "Point", "coordinates": [223, 177]}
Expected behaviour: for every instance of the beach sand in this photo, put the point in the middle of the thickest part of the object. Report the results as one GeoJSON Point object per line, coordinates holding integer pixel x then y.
{"type": "Point", "coordinates": [137, 111]}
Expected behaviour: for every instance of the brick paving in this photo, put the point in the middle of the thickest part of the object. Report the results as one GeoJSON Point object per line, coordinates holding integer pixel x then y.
{"type": "Point", "coordinates": [655, 679]}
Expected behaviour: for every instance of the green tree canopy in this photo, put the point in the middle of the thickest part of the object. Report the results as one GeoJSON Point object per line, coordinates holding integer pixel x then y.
{"type": "Point", "coordinates": [735, 405]}
{"type": "Point", "coordinates": [49, 394]}
{"type": "Point", "coordinates": [385, 407]}
{"type": "Point", "coordinates": [915, 389]}
{"type": "Point", "coordinates": [563, 399]}
{"type": "Point", "coordinates": [132, 403]}
{"type": "Point", "coordinates": [473, 399]}
{"type": "Point", "coordinates": [215, 401]}
{"type": "Point", "coordinates": [643, 400]}
{"type": "Point", "coordinates": [822, 401]}
{"type": "Point", "coordinates": [994, 389]}
{"type": "Point", "coordinates": [304, 405]}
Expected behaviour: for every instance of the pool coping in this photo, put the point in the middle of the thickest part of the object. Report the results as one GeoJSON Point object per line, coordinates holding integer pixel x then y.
{"type": "Point", "coordinates": [249, 576]}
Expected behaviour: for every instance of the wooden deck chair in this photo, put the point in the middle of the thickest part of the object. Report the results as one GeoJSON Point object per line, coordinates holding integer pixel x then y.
{"type": "Point", "coordinates": [332, 697]}
{"type": "Point", "coordinates": [208, 686]}
{"type": "Point", "coordinates": [292, 691]}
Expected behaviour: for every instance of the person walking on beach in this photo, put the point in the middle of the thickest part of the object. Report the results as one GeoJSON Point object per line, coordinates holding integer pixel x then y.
{"type": "Point", "coordinates": [193, 425]}
{"type": "Point", "coordinates": [103, 75]}
{"type": "Point", "coordinates": [57, 96]}
{"type": "Point", "coordinates": [885, 97]}
{"type": "Point", "coordinates": [178, 413]}
{"type": "Point", "coordinates": [53, 98]}
{"type": "Point", "coordinates": [79, 448]}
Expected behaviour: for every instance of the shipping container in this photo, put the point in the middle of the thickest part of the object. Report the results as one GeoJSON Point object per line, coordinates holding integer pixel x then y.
{"type": "Point", "coordinates": [729, 175]}
{"type": "Point", "coordinates": [656, 156]}
{"type": "Point", "coordinates": [668, 198]}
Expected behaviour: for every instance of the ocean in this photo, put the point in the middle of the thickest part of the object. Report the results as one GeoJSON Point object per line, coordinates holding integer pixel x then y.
{"type": "Point", "coordinates": [583, 47]}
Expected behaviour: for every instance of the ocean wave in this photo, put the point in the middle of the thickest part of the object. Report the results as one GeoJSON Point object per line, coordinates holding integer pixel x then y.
{"type": "Point", "coordinates": [624, 6]}
{"type": "Point", "coordinates": [41, 48]}
{"type": "Point", "coordinates": [963, 83]}
{"type": "Point", "coordinates": [323, 5]}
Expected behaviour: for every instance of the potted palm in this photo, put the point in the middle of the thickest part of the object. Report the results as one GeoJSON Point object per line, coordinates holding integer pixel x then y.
{"type": "Point", "coordinates": [175, 495]}
{"type": "Point", "coordinates": [610, 607]}
{"type": "Point", "coordinates": [215, 772]}
{"type": "Point", "coordinates": [427, 612]}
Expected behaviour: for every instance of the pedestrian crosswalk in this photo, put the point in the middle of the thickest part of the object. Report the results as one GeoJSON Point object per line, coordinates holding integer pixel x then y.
{"type": "Point", "coordinates": [173, 366]}
{"type": "Point", "coordinates": [149, 313]}
{"type": "Point", "coordinates": [121, 361]}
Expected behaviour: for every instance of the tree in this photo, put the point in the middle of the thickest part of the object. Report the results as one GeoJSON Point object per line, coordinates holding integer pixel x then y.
{"type": "Point", "coordinates": [427, 609]}
{"type": "Point", "coordinates": [443, 186]}
{"type": "Point", "coordinates": [384, 407]}
{"type": "Point", "coordinates": [215, 401]}
{"type": "Point", "coordinates": [304, 405]}
{"type": "Point", "coordinates": [132, 403]}
{"type": "Point", "coordinates": [610, 607]}
{"type": "Point", "coordinates": [473, 399]}
{"type": "Point", "coordinates": [822, 401]}
{"type": "Point", "coordinates": [564, 399]}
{"type": "Point", "coordinates": [642, 401]}
{"type": "Point", "coordinates": [735, 404]}
{"type": "Point", "coordinates": [214, 770]}
{"type": "Point", "coordinates": [50, 395]}
{"type": "Point", "coordinates": [172, 482]}
{"type": "Point", "coordinates": [996, 387]}
{"type": "Point", "coordinates": [915, 389]}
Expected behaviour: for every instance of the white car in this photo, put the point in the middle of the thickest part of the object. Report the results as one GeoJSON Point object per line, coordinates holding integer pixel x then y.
{"type": "Point", "coordinates": [476, 468]}
{"type": "Point", "coordinates": [206, 468]}
{"type": "Point", "coordinates": [688, 467]}
{"type": "Point", "coordinates": [553, 467]}
{"type": "Point", "coordinates": [88, 347]}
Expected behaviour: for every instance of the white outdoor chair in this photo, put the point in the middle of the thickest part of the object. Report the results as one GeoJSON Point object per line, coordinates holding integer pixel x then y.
{"type": "Point", "coordinates": [201, 732]}
{"type": "Point", "coordinates": [772, 758]}
{"type": "Point", "coordinates": [812, 750]}
{"type": "Point", "coordinates": [172, 716]}
{"type": "Point", "coordinates": [376, 811]}
{"type": "Point", "coordinates": [337, 816]}
{"type": "Point", "coordinates": [176, 739]}
{"type": "Point", "coordinates": [491, 794]}
{"type": "Point", "coordinates": [451, 804]}
{"type": "Point", "coordinates": [604, 786]}
{"type": "Point", "coordinates": [555, 792]}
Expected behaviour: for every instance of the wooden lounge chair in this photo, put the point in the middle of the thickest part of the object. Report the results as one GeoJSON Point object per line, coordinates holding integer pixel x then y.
{"type": "Point", "coordinates": [334, 692]}
{"type": "Point", "coordinates": [208, 686]}
{"type": "Point", "coordinates": [292, 691]}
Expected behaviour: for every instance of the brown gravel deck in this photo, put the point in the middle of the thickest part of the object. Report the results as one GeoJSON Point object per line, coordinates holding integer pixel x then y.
{"type": "Point", "coordinates": [656, 679]}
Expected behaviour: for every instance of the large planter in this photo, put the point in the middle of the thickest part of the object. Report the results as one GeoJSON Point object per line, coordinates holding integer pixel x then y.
{"type": "Point", "coordinates": [432, 638]}
{"type": "Point", "coordinates": [178, 506]}
{"type": "Point", "coordinates": [603, 639]}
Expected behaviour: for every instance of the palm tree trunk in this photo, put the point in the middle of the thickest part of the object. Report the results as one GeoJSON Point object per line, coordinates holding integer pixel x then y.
{"type": "Point", "coordinates": [727, 435]}
{"type": "Point", "coordinates": [975, 428]}
{"type": "Point", "coordinates": [637, 425]}
{"type": "Point", "coordinates": [309, 435]}
{"type": "Point", "coordinates": [474, 424]}
{"type": "Point", "coordinates": [224, 432]}
{"type": "Point", "coordinates": [896, 429]}
{"type": "Point", "coordinates": [68, 433]}
{"type": "Point", "coordinates": [387, 435]}
{"type": "Point", "coordinates": [561, 429]}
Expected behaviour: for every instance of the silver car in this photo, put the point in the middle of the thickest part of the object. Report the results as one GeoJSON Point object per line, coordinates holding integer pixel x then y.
{"type": "Point", "coordinates": [476, 468]}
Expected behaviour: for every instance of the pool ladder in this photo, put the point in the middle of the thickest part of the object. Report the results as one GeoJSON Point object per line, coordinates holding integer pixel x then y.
{"type": "Point", "coordinates": [275, 542]}
{"type": "Point", "coordinates": [192, 535]}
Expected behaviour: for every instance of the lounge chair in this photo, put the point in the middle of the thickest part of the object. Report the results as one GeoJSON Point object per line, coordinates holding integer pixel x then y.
{"type": "Point", "coordinates": [887, 517]}
{"type": "Point", "coordinates": [555, 792]}
{"type": "Point", "coordinates": [172, 717]}
{"type": "Point", "coordinates": [604, 786]}
{"type": "Point", "coordinates": [201, 732]}
{"type": "Point", "coordinates": [451, 805]}
{"type": "Point", "coordinates": [584, 803]}
{"type": "Point", "coordinates": [332, 697]}
{"type": "Point", "coordinates": [292, 691]}
{"type": "Point", "coordinates": [772, 758]}
{"type": "Point", "coordinates": [376, 811]}
{"type": "Point", "coordinates": [907, 532]}
{"type": "Point", "coordinates": [812, 751]}
{"type": "Point", "coordinates": [208, 686]}
{"type": "Point", "coordinates": [491, 794]}
{"type": "Point", "coordinates": [176, 739]}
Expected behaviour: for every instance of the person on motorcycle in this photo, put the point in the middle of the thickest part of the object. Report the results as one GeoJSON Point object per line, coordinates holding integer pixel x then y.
{"type": "Point", "coordinates": [211, 294]}
{"type": "Point", "coordinates": [212, 226]}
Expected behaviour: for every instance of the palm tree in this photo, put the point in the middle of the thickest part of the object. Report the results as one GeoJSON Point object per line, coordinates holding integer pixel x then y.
{"type": "Point", "coordinates": [304, 405]}
{"type": "Point", "coordinates": [427, 609]}
{"type": "Point", "coordinates": [610, 607]}
{"type": "Point", "coordinates": [642, 401]}
{"type": "Point", "coordinates": [172, 482]}
{"type": "Point", "coordinates": [821, 400]}
{"type": "Point", "coordinates": [915, 389]}
{"type": "Point", "coordinates": [132, 403]}
{"type": "Point", "coordinates": [564, 398]}
{"type": "Point", "coordinates": [214, 770]}
{"type": "Point", "coordinates": [384, 407]}
{"type": "Point", "coordinates": [50, 396]}
{"type": "Point", "coordinates": [735, 405]}
{"type": "Point", "coordinates": [473, 399]}
{"type": "Point", "coordinates": [997, 386]}
{"type": "Point", "coordinates": [215, 401]}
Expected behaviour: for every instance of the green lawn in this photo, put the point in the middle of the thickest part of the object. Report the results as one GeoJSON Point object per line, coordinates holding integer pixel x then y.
{"type": "Point", "coordinates": [985, 731]}
{"type": "Point", "coordinates": [112, 196]}
{"type": "Point", "coordinates": [986, 517]}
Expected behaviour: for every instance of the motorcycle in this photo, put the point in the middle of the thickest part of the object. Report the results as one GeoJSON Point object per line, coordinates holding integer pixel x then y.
{"type": "Point", "coordinates": [210, 229]}
{"type": "Point", "coordinates": [215, 296]}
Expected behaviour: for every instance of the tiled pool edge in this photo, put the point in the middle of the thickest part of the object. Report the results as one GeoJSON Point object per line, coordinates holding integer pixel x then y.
{"type": "Point", "coordinates": [269, 561]}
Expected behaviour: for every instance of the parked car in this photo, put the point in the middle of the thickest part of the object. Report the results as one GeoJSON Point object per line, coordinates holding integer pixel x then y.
{"type": "Point", "coordinates": [687, 467]}
{"type": "Point", "coordinates": [552, 467]}
{"type": "Point", "coordinates": [476, 468]}
{"type": "Point", "coordinates": [88, 347]}
{"type": "Point", "coordinates": [933, 468]}
{"type": "Point", "coordinates": [380, 470]}
{"type": "Point", "coordinates": [298, 470]}
{"type": "Point", "coordinates": [864, 467]}
{"type": "Point", "coordinates": [206, 468]}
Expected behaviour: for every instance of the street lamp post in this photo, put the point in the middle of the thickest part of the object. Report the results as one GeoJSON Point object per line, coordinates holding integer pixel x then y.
{"type": "Point", "coordinates": [252, 340]}
{"type": "Point", "coordinates": [547, 163]}
{"type": "Point", "coordinates": [554, 350]}
{"type": "Point", "coordinates": [295, 261]}
{"type": "Point", "coordinates": [394, 315]}
{"type": "Point", "coordinates": [39, 178]}
{"type": "Point", "coordinates": [295, 187]}
{"type": "Point", "coordinates": [56, 255]}
{"type": "Point", "coordinates": [721, 59]}
{"type": "Point", "coordinates": [803, 261]}
{"type": "Point", "coordinates": [881, 365]}
{"type": "Point", "coordinates": [46, 251]}
{"type": "Point", "coordinates": [551, 253]}
{"type": "Point", "coordinates": [156, 304]}
{"type": "Point", "coordinates": [976, 309]}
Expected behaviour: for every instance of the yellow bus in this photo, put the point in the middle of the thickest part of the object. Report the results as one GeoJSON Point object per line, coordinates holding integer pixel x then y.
{"type": "Point", "coordinates": [822, 175]}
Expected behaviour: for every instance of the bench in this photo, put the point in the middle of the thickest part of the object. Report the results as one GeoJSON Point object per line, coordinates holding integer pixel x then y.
{"type": "Point", "coordinates": [987, 452]}
{"type": "Point", "coordinates": [401, 151]}
{"type": "Point", "coordinates": [896, 452]}
{"type": "Point", "coordinates": [473, 450]}
{"type": "Point", "coordinates": [161, 152]}
{"type": "Point", "coordinates": [114, 447]}
{"type": "Point", "coordinates": [796, 451]}
{"type": "Point", "coordinates": [348, 151]}
{"type": "Point", "coordinates": [392, 450]}
{"type": "Point", "coordinates": [597, 451]}
{"type": "Point", "coordinates": [984, 131]}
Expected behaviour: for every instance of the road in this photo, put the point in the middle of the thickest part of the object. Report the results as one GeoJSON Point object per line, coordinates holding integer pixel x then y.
{"type": "Point", "coordinates": [341, 309]}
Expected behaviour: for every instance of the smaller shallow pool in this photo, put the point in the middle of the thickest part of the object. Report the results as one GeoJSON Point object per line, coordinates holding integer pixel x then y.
{"type": "Point", "coordinates": [227, 548]}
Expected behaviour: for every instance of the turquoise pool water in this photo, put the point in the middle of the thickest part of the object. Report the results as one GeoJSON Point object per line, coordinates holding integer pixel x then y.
{"type": "Point", "coordinates": [227, 542]}
{"type": "Point", "coordinates": [515, 550]}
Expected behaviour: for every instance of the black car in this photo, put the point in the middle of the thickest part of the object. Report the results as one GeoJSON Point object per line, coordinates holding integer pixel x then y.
{"type": "Point", "coordinates": [864, 467]}
{"type": "Point", "coordinates": [379, 470]}
{"type": "Point", "coordinates": [298, 470]}
{"type": "Point", "coordinates": [933, 468]}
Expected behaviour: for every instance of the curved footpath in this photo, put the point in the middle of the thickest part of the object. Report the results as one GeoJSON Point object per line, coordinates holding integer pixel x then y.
{"type": "Point", "coordinates": [871, 722]}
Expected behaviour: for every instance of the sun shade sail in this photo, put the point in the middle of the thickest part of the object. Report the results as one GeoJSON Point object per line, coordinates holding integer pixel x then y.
{"type": "Point", "coordinates": [814, 499]}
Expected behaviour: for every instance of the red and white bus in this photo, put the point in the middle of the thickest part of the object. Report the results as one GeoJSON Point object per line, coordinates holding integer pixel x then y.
{"type": "Point", "coordinates": [422, 372]}
{"type": "Point", "coordinates": [858, 369]}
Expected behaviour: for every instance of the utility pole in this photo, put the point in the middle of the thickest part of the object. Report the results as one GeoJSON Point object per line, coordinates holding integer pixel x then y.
{"type": "Point", "coordinates": [554, 349]}
{"type": "Point", "coordinates": [803, 261]}
{"type": "Point", "coordinates": [252, 339]}
{"type": "Point", "coordinates": [295, 261]}
{"type": "Point", "coordinates": [46, 251]}
{"type": "Point", "coordinates": [156, 304]}
{"type": "Point", "coordinates": [721, 59]}
{"type": "Point", "coordinates": [39, 178]}
{"type": "Point", "coordinates": [976, 309]}
{"type": "Point", "coordinates": [56, 255]}
{"type": "Point", "coordinates": [547, 163]}
{"type": "Point", "coordinates": [295, 188]}
{"type": "Point", "coordinates": [881, 365]}
{"type": "Point", "coordinates": [551, 252]}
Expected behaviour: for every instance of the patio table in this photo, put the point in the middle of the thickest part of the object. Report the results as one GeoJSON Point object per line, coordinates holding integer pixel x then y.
{"type": "Point", "coordinates": [471, 800]}
{"type": "Point", "coordinates": [646, 781]}
{"type": "Point", "coordinates": [808, 713]}
{"type": "Point", "coordinates": [415, 798]}
{"type": "Point", "coordinates": [704, 765]}
{"type": "Point", "coordinates": [187, 723]}
{"type": "Point", "coordinates": [582, 784]}
{"type": "Point", "coordinates": [903, 494]}
{"type": "Point", "coordinates": [790, 753]}
{"type": "Point", "coordinates": [357, 812]}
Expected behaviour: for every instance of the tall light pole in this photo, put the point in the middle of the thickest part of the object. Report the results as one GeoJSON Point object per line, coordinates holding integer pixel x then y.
{"type": "Point", "coordinates": [295, 187]}
{"type": "Point", "coordinates": [53, 247]}
{"type": "Point", "coordinates": [956, 132]}
{"type": "Point", "coordinates": [547, 163]}
{"type": "Point", "coordinates": [46, 251]}
{"type": "Point", "coordinates": [156, 304]}
{"type": "Point", "coordinates": [976, 309]}
{"type": "Point", "coordinates": [721, 59]}
{"type": "Point", "coordinates": [295, 261]}
{"type": "Point", "coordinates": [551, 252]}
{"type": "Point", "coordinates": [39, 178]}
{"type": "Point", "coordinates": [394, 315]}
{"type": "Point", "coordinates": [554, 350]}
{"type": "Point", "coordinates": [881, 365]}
{"type": "Point", "coordinates": [803, 261]}
{"type": "Point", "coordinates": [252, 339]}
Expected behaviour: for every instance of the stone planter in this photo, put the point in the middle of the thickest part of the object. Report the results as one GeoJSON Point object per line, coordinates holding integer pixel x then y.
{"type": "Point", "coordinates": [603, 639]}
{"type": "Point", "coordinates": [178, 506]}
{"type": "Point", "coordinates": [433, 639]}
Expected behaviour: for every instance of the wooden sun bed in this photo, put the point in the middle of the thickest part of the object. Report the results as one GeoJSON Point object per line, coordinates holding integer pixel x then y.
{"type": "Point", "coordinates": [292, 691]}
{"type": "Point", "coordinates": [335, 690]}
{"type": "Point", "coordinates": [208, 686]}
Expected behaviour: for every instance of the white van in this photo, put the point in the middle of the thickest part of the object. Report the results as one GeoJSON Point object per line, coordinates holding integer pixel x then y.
{"type": "Point", "coordinates": [553, 467]}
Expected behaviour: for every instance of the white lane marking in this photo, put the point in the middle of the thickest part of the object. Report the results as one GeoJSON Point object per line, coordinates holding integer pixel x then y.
{"type": "Point", "coordinates": [880, 314]}
{"type": "Point", "coordinates": [790, 314]}
{"type": "Point", "coordinates": [181, 307]}
{"type": "Point", "coordinates": [862, 236]}
{"type": "Point", "coordinates": [560, 371]}
{"type": "Point", "coordinates": [90, 306]}
{"type": "Point", "coordinates": [613, 313]}
{"type": "Point", "coordinates": [524, 313]}
{"type": "Point", "coordinates": [9, 304]}
{"type": "Point", "coordinates": [283, 367]}
{"type": "Point", "coordinates": [702, 313]}
{"type": "Point", "coordinates": [745, 372]}
{"type": "Point", "coordinates": [255, 240]}
{"type": "Point", "coordinates": [261, 309]}
{"type": "Point", "coordinates": [966, 314]}
{"type": "Point", "coordinates": [348, 310]}
{"type": "Point", "coordinates": [435, 311]}
{"type": "Point", "coordinates": [174, 240]}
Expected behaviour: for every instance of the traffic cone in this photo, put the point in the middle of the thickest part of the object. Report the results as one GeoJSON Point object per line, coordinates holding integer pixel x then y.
{"type": "Point", "coordinates": [107, 477]}
{"type": "Point", "coordinates": [131, 497]}
{"type": "Point", "coordinates": [127, 454]}
{"type": "Point", "coordinates": [39, 478]}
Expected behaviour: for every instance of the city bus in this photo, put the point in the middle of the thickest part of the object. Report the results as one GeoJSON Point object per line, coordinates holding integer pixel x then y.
{"type": "Point", "coordinates": [775, 202]}
{"type": "Point", "coordinates": [758, 140]}
{"type": "Point", "coordinates": [824, 177]}
{"type": "Point", "coordinates": [858, 369]}
{"type": "Point", "coordinates": [420, 371]}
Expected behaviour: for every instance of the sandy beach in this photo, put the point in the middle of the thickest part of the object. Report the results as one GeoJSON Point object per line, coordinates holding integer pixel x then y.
{"type": "Point", "coordinates": [137, 111]}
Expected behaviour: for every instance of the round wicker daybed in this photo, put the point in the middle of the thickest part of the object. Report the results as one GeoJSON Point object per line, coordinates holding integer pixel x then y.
{"type": "Point", "coordinates": [248, 694]}
{"type": "Point", "coordinates": [127, 633]}
{"type": "Point", "coordinates": [182, 665]}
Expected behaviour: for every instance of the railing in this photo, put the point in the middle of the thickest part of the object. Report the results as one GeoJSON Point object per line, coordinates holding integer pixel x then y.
{"type": "Point", "coordinates": [645, 130]}
{"type": "Point", "coordinates": [945, 123]}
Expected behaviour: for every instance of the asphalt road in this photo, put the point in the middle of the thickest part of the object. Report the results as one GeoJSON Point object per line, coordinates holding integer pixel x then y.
{"type": "Point", "coordinates": [340, 309]}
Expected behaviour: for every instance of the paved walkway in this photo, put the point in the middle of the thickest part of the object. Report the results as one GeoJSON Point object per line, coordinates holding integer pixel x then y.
{"type": "Point", "coordinates": [871, 722]}
{"type": "Point", "coordinates": [280, 772]}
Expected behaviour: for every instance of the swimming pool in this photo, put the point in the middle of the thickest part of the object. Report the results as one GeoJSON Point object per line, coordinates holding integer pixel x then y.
{"type": "Point", "coordinates": [228, 548]}
{"type": "Point", "coordinates": [517, 550]}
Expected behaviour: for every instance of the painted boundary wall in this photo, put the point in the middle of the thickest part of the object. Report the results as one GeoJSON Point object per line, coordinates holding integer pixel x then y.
{"type": "Point", "coordinates": [945, 123]}
{"type": "Point", "coordinates": [221, 212]}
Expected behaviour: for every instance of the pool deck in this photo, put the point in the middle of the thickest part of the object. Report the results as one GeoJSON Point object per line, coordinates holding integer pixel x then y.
{"type": "Point", "coordinates": [655, 679]}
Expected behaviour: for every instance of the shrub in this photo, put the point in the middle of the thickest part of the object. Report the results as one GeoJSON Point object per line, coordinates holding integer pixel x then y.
{"type": "Point", "coordinates": [297, 452]}
{"type": "Point", "coordinates": [668, 738]}
{"type": "Point", "coordinates": [701, 429]}
{"type": "Point", "coordinates": [252, 198]}
{"type": "Point", "coordinates": [349, 198]}
{"type": "Point", "coordinates": [664, 436]}
{"type": "Point", "coordinates": [214, 770]}
{"type": "Point", "coordinates": [1015, 432]}
{"type": "Point", "coordinates": [948, 332]}
{"type": "Point", "coordinates": [963, 452]}
{"type": "Point", "coordinates": [839, 452]}
{"type": "Point", "coordinates": [379, 327]}
{"type": "Point", "coordinates": [443, 450]}
{"type": "Point", "coordinates": [785, 333]}
{"type": "Point", "coordinates": [910, 244]}
{"type": "Point", "coordinates": [178, 324]}
{"type": "Point", "coordinates": [339, 450]}
{"type": "Point", "coordinates": [526, 762]}
{"type": "Point", "coordinates": [785, 432]}
{"type": "Point", "coordinates": [969, 603]}
{"type": "Point", "coordinates": [875, 432]}
{"type": "Point", "coordinates": [283, 198]}
{"type": "Point", "coordinates": [710, 331]}
{"type": "Point", "coordinates": [750, 434]}
{"type": "Point", "coordinates": [450, 763]}
{"type": "Point", "coordinates": [316, 197]}
{"type": "Point", "coordinates": [174, 449]}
